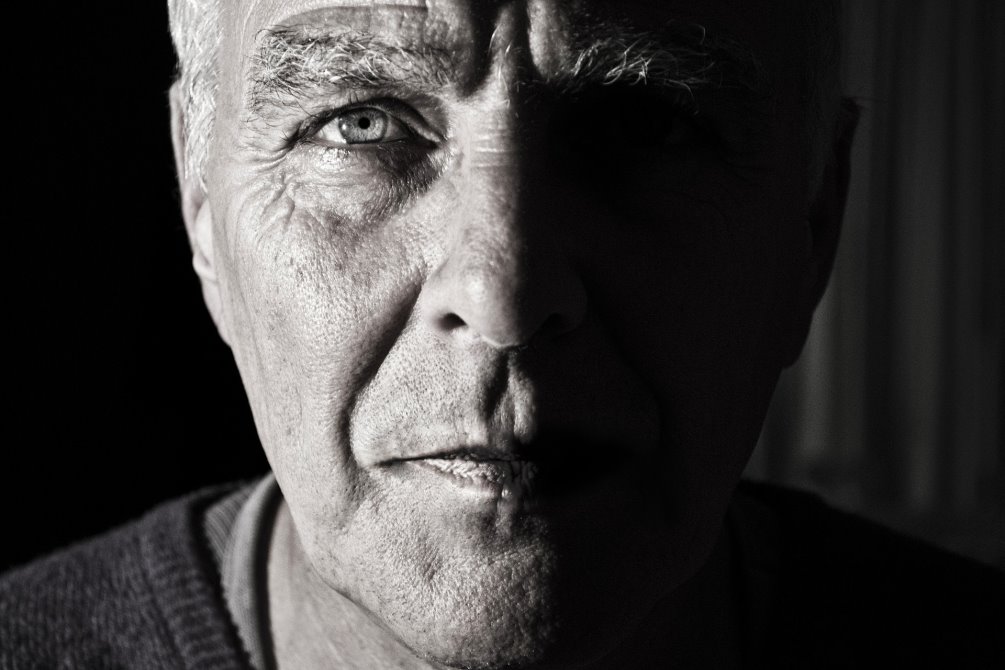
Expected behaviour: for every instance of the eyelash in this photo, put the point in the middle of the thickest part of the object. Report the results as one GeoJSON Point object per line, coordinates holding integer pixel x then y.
{"type": "Point", "coordinates": [315, 122]}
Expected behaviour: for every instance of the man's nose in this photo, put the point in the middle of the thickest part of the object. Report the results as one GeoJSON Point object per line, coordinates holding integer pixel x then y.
{"type": "Point", "coordinates": [505, 278]}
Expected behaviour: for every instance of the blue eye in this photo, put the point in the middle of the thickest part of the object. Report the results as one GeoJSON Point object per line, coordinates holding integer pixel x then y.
{"type": "Point", "coordinates": [362, 125]}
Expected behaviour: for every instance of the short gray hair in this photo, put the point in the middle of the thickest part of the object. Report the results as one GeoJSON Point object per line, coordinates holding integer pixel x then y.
{"type": "Point", "coordinates": [195, 30]}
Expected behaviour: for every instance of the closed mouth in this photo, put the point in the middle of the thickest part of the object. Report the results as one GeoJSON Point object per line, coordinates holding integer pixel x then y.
{"type": "Point", "coordinates": [516, 470]}
{"type": "Point", "coordinates": [479, 467]}
{"type": "Point", "coordinates": [489, 471]}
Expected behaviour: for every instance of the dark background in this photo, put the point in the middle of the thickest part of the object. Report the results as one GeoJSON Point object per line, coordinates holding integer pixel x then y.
{"type": "Point", "coordinates": [121, 395]}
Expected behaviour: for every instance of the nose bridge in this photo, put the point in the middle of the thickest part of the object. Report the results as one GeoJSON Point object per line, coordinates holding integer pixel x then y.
{"type": "Point", "coordinates": [494, 191]}
{"type": "Point", "coordinates": [504, 278]}
{"type": "Point", "coordinates": [496, 154]}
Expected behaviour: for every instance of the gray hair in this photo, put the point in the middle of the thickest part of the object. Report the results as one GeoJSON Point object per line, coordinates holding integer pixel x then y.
{"type": "Point", "coordinates": [195, 30]}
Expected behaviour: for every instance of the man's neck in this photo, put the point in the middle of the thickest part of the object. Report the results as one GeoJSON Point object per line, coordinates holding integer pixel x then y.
{"type": "Point", "coordinates": [315, 627]}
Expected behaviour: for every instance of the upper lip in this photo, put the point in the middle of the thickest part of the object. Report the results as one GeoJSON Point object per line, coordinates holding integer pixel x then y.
{"type": "Point", "coordinates": [547, 448]}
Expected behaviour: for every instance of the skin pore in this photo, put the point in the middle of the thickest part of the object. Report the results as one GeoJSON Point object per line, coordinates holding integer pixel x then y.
{"type": "Point", "coordinates": [508, 316]}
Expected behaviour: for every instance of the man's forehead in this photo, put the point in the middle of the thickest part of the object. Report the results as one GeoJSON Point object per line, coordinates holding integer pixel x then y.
{"type": "Point", "coordinates": [390, 16]}
{"type": "Point", "coordinates": [277, 9]}
{"type": "Point", "coordinates": [443, 24]}
{"type": "Point", "coordinates": [454, 24]}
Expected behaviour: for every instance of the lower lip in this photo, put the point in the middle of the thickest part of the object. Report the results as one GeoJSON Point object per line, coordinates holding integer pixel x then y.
{"type": "Point", "coordinates": [497, 477]}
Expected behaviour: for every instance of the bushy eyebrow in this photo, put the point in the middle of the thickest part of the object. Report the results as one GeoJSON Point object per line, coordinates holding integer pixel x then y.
{"type": "Point", "coordinates": [679, 56]}
{"type": "Point", "coordinates": [291, 63]}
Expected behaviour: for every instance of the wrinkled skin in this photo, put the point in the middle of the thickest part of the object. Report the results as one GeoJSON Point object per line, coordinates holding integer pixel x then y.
{"type": "Point", "coordinates": [530, 275]}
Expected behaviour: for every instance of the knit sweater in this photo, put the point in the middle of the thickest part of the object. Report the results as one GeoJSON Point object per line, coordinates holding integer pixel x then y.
{"type": "Point", "coordinates": [143, 596]}
{"type": "Point", "coordinates": [821, 589]}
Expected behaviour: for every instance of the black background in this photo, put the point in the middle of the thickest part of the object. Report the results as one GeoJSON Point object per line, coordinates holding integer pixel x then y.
{"type": "Point", "coordinates": [120, 393]}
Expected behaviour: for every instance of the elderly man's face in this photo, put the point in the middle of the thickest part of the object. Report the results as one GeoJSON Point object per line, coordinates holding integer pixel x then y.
{"type": "Point", "coordinates": [509, 286]}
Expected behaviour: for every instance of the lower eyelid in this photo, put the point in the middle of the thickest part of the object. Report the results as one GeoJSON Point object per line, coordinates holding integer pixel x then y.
{"type": "Point", "coordinates": [386, 158]}
{"type": "Point", "coordinates": [376, 174]}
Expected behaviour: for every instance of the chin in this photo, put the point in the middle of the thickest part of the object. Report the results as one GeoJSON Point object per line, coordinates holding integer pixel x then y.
{"type": "Point", "coordinates": [500, 615]}
{"type": "Point", "coordinates": [534, 608]}
{"type": "Point", "coordinates": [530, 606]}
{"type": "Point", "coordinates": [485, 650]}
{"type": "Point", "coordinates": [531, 638]}
{"type": "Point", "coordinates": [546, 630]}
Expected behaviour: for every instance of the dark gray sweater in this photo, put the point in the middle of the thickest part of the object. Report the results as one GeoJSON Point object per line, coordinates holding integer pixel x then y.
{"type": "Point", "coordinates": [820, 589]}
{"type": "Point", "coordinates": [144, 596]}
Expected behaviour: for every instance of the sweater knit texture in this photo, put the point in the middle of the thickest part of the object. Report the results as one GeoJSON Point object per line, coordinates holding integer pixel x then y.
{"type": "Point", "coordinates": [143, 596]}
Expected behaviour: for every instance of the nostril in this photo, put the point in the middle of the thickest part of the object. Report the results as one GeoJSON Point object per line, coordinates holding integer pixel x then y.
{"type": "Point", "coordinates": [450, 322]}
{"type": "Point", "coordinates": [556, 325]}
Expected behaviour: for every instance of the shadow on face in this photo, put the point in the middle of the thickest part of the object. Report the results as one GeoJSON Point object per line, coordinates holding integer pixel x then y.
{"type": "Point", "coordinates": [509, 288]}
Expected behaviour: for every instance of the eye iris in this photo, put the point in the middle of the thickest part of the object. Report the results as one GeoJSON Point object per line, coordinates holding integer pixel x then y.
{"type": "Point", "coordinates": [362, 126]}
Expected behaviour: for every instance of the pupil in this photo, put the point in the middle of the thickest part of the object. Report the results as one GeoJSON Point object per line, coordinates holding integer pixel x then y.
{"type": "Point", "coordinates": [364, 123]}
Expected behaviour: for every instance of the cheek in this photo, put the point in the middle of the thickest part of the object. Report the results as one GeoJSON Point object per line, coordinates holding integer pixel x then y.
{"type": "Point", "coordinates": [309, 319]}
{"type": "Point", "coordinates": [688, 282]}
{"type": "Point", "coordinates": [691, 309]}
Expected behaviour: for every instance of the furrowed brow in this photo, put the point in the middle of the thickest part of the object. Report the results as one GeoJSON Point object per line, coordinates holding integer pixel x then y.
{"type": "Point", "coordinates": [291, 64]}
{"type": "Point", "coordinates": [683, 57]}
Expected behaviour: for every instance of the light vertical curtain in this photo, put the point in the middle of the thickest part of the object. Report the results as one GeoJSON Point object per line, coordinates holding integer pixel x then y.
{"type": "Point", "coordinates": [896, 407]}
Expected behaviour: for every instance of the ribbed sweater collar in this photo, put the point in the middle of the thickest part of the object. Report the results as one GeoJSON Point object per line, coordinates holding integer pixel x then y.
{"type": "Point", "coordinates": [186, 586]}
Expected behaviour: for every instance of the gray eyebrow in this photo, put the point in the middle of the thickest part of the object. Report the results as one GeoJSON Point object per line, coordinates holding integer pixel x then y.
{"type": "Point", "coordinates": [292, 62]}
{"type": "Point", "coordinates": [681, 56]}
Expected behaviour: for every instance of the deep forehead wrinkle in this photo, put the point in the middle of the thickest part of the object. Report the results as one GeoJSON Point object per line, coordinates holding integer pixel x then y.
{"type": "Point", "coordinates": [274, 11]}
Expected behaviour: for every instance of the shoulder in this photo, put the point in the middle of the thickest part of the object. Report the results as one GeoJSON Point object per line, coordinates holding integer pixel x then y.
{"type": "Point", "coordinates": [139, 596]}
{"type": "Point", "coordinates": [853, 591]}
